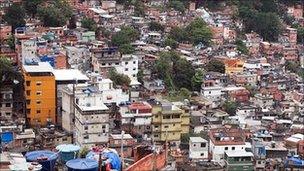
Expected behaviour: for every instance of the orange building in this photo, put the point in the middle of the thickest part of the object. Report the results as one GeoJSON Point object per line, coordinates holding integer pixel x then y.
{"type": "Point", "coordinates": [40, 93]}
{"type": "Point", "coordinates": [233, 66]}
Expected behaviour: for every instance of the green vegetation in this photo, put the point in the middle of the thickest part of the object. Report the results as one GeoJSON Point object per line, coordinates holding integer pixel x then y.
{"type": "Point", "coordinates": [11, 42]}
{"type": "Point", "coordinates": [215, 66]}
{"type": "Point", "coordinates": [171, 43]}
{"type": "Point", "coordinates": [241, 47]}
{"type": "Point", "coordinates": [55, 13]}
{"type": "Point", "coordinates": [124, 38]}
{"type": "Point", "coordinates": [155, 26]}
{"type": "Point", "coordinates": [178, 5]}
{"type": "Point", "coordinates": [119, 79]}
{"type": "Point", "coordinates": [261, 17]}
{"type": "Point", "coordinates": [89, 24]}
{"type": "Point", "coordinates": [197, 80]}
{"type": "Point", "coordinates": [180, 95]}
{"type": "Point", "coordinates": [83, 152]}
{"type": "Point", "coordinates": [7, 72]}
{"type": "Point", "coordinates": [196, 32]}
{"type": "Point", "coordinates": [230, 107]}
{"type": "Point", "coordinates": [126, 49]}
{"type": "Point", "coordinates": [174, 70]}
{"type": "Point", "coordinates": [14, 16]}
{"type": "Point", "coordinates": [31, 6]}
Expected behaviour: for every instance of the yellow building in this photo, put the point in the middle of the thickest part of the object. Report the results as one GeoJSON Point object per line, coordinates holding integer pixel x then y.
{"type": "Point", "coordinates": [169, 122]}
{"type": "Point", "coordinates": [40, 93]}
{"type": "Point", "coordinates": [233, 66]}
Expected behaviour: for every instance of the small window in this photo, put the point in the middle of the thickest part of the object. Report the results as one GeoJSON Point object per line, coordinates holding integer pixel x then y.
{"type": "Point", "coordinates": [155, 135]}
{"type": "Point", "coordinates": [166, 126]}
{"type": "Point", "coordinates": [28, 102]}
{"type": "Point", "coordinates": [116, 63]}
{"type": "Point", "coordinates": [156, 126]}
{"type": "Point", "coordinates": [126, 63]}
{"type": "Point", "coordinates": [226, 148]}
{"type": "Point", "coordinates": [28, 92]}
{"type": "Point", "coordinates": [86, 127]}
{"type": "Point", "coordinates": [38, 102]}
{"type": "Point", "coordinates": [103, 64]}
{"type": "Point", "coordinates": [134, 69]}
{"type": "Point", "coordinates": [86, 137]}
{"type": "Point", "coordinates": [28, 83]}
{"type": "Point", "coordinates": [7, 105]}
{"type": "Point", "coordinates": [38, 83]}
{"type": "Point", "coordinates": [103, 127]}
{"type": "Point", "coordinates": [209, 92]}
{"type": "Point", "coordinates": [38, 93]}
{"type": "Point", "coordinates": [203, 144]}
{"type": "Point", "coordinates": [134, 62]}
{"type": "Point", "coordinates": [38, 111]}
{"type": "Point", "coordinates": [202, 154]}
{"type": "Point", "coordinates": [126, 69]}
{"type": "Point", "coordinates": [8, 113]}
{"type": "Point", "coordinates": [28, 111]}
{"type": "Point", "coordinates": [232, 148]}
{"type": "Point", "coordinates": [166, 117]}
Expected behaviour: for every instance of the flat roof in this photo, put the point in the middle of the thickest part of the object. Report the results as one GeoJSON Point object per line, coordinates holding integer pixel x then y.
{"type": "Point", "coordinates": [197, 139]}
{"type": "Point", "coordinates": [69, 75]}
{"type": "Point", "coordinates": [39, 67]}
{"type": "Point", "coordinates": [118, 136]}
{"type": "Point", "coordinates": [92, 108]}
{"type": "Point", "coordinates": [239, 153]}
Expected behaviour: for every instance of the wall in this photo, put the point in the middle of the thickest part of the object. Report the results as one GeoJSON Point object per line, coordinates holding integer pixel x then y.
{"type": "Point", "coordinates": [146, 163]}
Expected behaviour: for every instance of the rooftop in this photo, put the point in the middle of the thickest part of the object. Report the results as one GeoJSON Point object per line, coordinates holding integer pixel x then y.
{"type": "Point", "coordinates": [69, 75]}
{"type": "Point", "coordinates": [38, 67]}
{"type": "Point", "coordinates": [239, 153]}
{"type": "Point", "coordinates": [197, 139]}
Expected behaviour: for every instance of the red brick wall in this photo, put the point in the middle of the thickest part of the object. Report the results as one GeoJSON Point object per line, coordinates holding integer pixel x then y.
{"type": "Point", "coordinates": [146, 163]}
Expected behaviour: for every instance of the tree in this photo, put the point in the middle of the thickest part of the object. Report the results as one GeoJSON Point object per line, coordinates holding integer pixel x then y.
{"type": "Point", "coordinates": [7, 72]}
{"type": "Point", "coordinates": [89, 24]}
{"type": "Point", "coordinates": [55, 13]}
{"type": "Point", "coordinates": [292, 66]}
{"type": "Point", "coordinates": [300, 36]}
{"type": "Point", "coordinates": [155, 26]}
{"type": "Point", "coordinates": [126, 49]}
{"type": "Point", "coordinates": [14, 16]}
{"type": "Point", "coordinates": [31, 6]}
{"type": "Point", "coordinates": [139, 8]}
{"type": "Point", "coordinates": [175, 71]}
{"type": "Point", "coordinates": [230, 107]}
{"type": "Point", "coordinates": [125, 36]}
{"type": "Point", "coordinates": [119, 79]}
{"type": "Point", "coordinates": [178, 34]}
{"type": "Point", "coordinates": [140, 76]}
{"type": "Point", "coordinates": [197, 80]}
{"type": "Point", "coordinates": [11, 42]}
{"type": "Point", "coordinates": [241, 47]}
{"type": "Point", "coordinates": [83, 152]}
{"type": "Point", "coordinates": [215, 66]}
{"type": "Point", "coordinates": [101, 31]}
{"type": "Point", "coordinates": [177, 5]}
{"type": "Point", "coordinates": [171, 43]}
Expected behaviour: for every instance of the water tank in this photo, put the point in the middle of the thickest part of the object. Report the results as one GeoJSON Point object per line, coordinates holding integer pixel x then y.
{"type": "Point", "coordinates": [82, 165]}
{"type": "Point", "coordinates": [46, 158]}
{"type": "Point", "coordinates": [67, 152]}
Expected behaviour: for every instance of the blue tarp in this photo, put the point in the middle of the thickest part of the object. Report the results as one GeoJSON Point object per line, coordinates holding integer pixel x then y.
{"type": "Point", "coordinates": [112, 157]}
{"type": "Point", "coordinates": [7, 137]}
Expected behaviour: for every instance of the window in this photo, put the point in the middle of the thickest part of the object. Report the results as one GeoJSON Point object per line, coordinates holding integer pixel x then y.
{"type": "Point", "coordinates": [28, 83]}
{"type": "Point", "coordinates": [202, 154]}
{"type": "Point", "coordinates": [103, 64]}
{"type": "Point", "coordinates": [38, 111]}
{"type": "Point", "coordinates": [133, 75]}
{"type": "Point", "coordinates": [166, 126]}
{"type": "Point", "coordinates": [203, 144]}
{"type": "Point", "coordinates": [28, 111]}
{"type": "Point", "coordinates": [126, 69]}
{"type": "Point", "coordinates": [232, 148]}
{"type": "Point", "coordinates": [126, 63]}
{"type": "Point", "coordinates": [103, 127]}
{"type": "Point", "coordinates": [259, 162]}
{"type": "Point", "coordinates": [86, 127]}
{"type": "Point", "coordinates": [28, 92]}
{"type": "Point", "coordinates": [7, 113]}
{"type": "Point", "coordinates": [28, 102]}
{"type": "Point", "coordinates": [155, 135]}
{"type": "Point", "coordinates": [134, 62]}
{"type": "Point", "coordinates": [103, 131]}
{"type": "Point", "coordinates": [116, 63]}
{"type": "Point", "coordinates": [7, 96]}
{"type": "Point", "coordinates": [226, 148]}
{"type": "Point", "coordinates": [194, 145]}
{"type": "Point", "coordinates": [38, 83]}
{"type": "Point", "coordinates": [38, 101]}
{"type": "Point", "coordinates": [166, 117]}
{"type": "Point", "coordinates": [38, 93]}
{"type": "Point", "coordinates": [156, 126]}
{"type": "Point", "coordinates": [7, 105]}
{"type": "Point", "coordinates": [175, 116]}
{"type": "Point", "coordinates": [86, 137]}
{"type": "Point", "coordinates": [209, 92]}
{"type": "Point", "coordinates": [134, 69]}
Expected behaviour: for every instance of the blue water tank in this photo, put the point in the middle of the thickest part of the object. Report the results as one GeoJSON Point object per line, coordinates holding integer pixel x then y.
{"type": "Point", "coordinates": [82, 165]}
{"type": "Point", "coordinates": [67, 152]}
{"type": "Point", "coordinates": [46, 158]}
{"type": "Point", "coordinates": [6, 137]}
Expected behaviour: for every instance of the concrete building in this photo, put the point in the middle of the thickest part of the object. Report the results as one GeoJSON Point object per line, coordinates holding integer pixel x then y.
{"type": "Point", "coordinates": [128, 141]}
{"type": "Point", "coordinates": [28, 50]}
{"type": "Point", "coordinates": [6, 103]}
{"type": "Point", "coordinates": [40, 93]}
{"type": "Point", "coordinates": [91, 118]}
{"type": "Point", "coordinates": [167, 122]}
{"type": "Point", "coordinates": [107, 58]}
{"type": "Point", "coordinates": [265, 102]}
{"type": "Point", "coordinates": [239, 160]}
{"type": "Point", "coordinates": [223, 140]}
{"type": "Point", "coordinates": [198, 148]}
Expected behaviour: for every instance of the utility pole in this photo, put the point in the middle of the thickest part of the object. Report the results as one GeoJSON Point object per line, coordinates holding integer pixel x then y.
{"type": "Point", "coordinates": [154, 156]}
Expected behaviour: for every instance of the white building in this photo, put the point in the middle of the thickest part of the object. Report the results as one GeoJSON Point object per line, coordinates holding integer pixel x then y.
{"type": "Point", "coordinates": [198, 148]}
{"type": "Point", "coordinates": [91, 119]}
{"type": "Point", "coordinates": [28, 50]}
{"type": "Point", "coordinates": [77, 56]}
